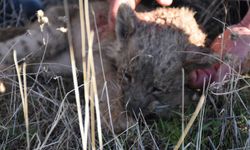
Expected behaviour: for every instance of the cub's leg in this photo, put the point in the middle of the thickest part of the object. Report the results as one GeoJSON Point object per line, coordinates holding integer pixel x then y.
{"type": "Point", "coordinates": [36, 40]}
{"type": "Point", "coordinates": [9, 33]}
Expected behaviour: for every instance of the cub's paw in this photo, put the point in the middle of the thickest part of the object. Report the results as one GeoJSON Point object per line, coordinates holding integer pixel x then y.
{"type": "Point", "coordinates": [123, 123]}
{"type": "Point", "coordinates": [120, 122]}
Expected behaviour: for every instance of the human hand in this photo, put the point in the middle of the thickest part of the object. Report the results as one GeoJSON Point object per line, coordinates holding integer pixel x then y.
{"type": "Point", "coordinates": [235, 41]}
{"type": "Point", "coordinates": [114, 5]}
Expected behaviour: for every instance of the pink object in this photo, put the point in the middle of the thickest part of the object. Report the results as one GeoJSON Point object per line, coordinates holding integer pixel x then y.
{"type": "Point", "coordinates": [235, 41]}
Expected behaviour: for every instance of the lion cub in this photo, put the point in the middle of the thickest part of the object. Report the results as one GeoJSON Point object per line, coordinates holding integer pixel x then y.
{"type": "Point", "coordinates": [143, 59]}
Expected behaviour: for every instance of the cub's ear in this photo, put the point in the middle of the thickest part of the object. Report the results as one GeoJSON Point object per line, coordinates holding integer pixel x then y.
{"type": "Point", "coordinates": [125, 22]}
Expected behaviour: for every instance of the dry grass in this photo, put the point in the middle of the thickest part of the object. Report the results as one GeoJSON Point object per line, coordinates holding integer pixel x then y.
{"type": "Point", "coordinates": [23, 92]}
{"type": "Point", "coordinates": [45, 114]}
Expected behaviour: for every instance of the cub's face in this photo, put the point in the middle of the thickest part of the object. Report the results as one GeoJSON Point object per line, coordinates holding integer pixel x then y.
{"type": "Point", "coordinates": [150, 61]}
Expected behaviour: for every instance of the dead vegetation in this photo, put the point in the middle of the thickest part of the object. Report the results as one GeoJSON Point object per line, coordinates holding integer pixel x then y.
{"type": "Point", "coordinates": [49, 117]}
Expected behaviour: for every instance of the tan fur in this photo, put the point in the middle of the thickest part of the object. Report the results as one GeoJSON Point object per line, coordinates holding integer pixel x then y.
{"type": "Point", "coordinates": [177, 18]}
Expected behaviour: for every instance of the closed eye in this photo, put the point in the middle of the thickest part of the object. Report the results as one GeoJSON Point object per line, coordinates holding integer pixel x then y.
{"type": "Point", "coordinates": [156, 90]}
{"type": "Point", "coordinates": [127, 77]}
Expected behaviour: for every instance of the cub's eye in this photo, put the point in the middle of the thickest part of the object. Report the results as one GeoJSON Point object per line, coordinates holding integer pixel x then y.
{"type": "Point", "coordinates": [155, 89]}
{"type": "Point", "coordinates": [127, 77]}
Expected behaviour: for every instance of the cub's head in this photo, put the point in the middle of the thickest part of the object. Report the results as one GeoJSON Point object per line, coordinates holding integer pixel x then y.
{"type": "Point", "coordinates": [150, 58]}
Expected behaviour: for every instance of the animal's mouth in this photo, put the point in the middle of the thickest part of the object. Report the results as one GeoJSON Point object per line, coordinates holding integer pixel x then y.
{"type": "Point", "coordinates": [162, 107]}
{"type": "Point", "coordinates": [161, 110]}
{"type": "Point", "coordinates": [157, 111]}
